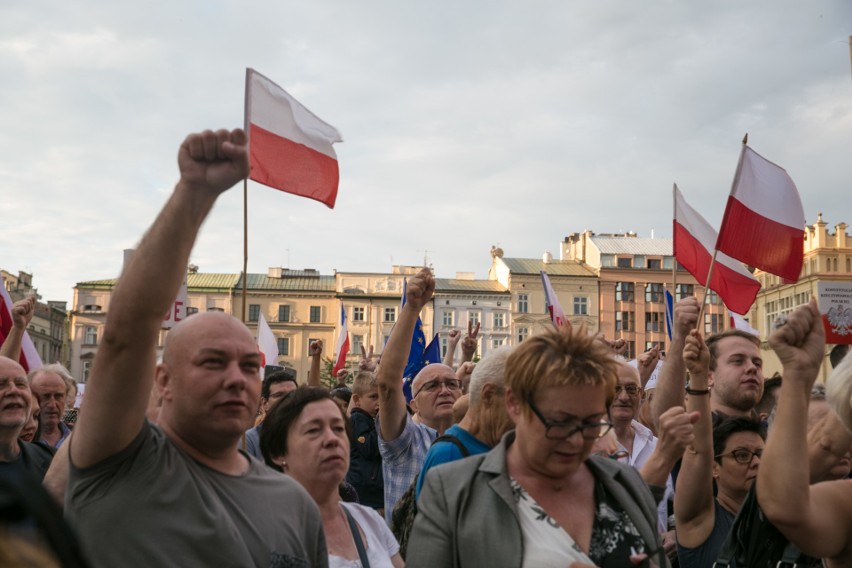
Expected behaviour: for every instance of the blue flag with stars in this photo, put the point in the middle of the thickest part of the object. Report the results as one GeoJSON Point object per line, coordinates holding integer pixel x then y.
{"type": "Point", "coordinates": [669, 313]}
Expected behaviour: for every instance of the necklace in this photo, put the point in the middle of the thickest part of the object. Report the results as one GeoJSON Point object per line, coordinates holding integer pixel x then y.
{"type": "Point", "coordinates": [339, 539]}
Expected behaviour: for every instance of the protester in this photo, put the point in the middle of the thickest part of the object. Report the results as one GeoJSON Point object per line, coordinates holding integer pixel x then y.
{"type": "Point", "coordinates": [728, 454]}
{"type": "Point", "coordinates": [816, 518]}
{"type": "Point", "coordinates": [30, 431]}
{"type": "Point", "coordinates": [403, 440]}
{"type": "Point", "coordinates": [50, 386]}
{"type": "Point", "coordinates": [275, 386]}
{"type": "Point", "coordinates": [486, 419]}
{"type": "Point", "coordinates": [189, 495]}
{"type": "Point", "coordinates": [537, 498]}
{"type": "Point", "coordinates": [307, 437]}
{"type": "Point", "coordinates": [365, 465]}
{"type": "Point", "coordinates": [766, 405]}
{"type": "Point", "coordinates": [829, 442]}
{"type": "Point", "coordinates": [22, 315]}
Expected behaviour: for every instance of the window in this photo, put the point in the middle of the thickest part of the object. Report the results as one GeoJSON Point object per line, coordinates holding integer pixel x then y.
{"type": "Point", "coordinates": [311, 340]}
{"type": "Point", "coordinates": [523, 303]}
{"type": "Point", "coordinates": [496, 343]}
{"type": "Point", "coordinates": [654, 321]}
{"type": "Point", "coordinates": [215, 309]}
{"type": "Point", "coordinates": [630, 352]}
{"type": "Point", "coordinates": [357, 343]}
{"type": "Point", "coordinates": [654, 292]}
{"type": "Point", "coordinates": [284, 346]}
{"type": "Point", "coordinates": [190, 310]}
{"type": "Point", "coordinates": [283, 313]}
{"type": "Point", "coordinates": [712, 297]}
{"type": "Point", "coordinates": [684, 291]}
{"type": "Point", "coordinates": [87, 368]}
{"type": "Point", "coordinates": [316, 314]}
{"type": "Point", "coordinates": [447, 318]}
{"type": "Point", "coordinates": [581, 306]}
{"type": "Point", "coordinates": [712, 323]}
{"type": "Point", "coordinates": [651, 344]}
{"type": "Point", "coordinates": [91, 335]}
{"type": "Point", "coordinates": [254, 312]}
{"type": "Point", "coordinates": [624, 291]}
{"type": "Point", "coordinates": [626, 262]}
{"type": "Point", "coordinates": [523, 333]}
{"type": "Point", "coordinates": [358, 314]}
{"type": "Point", "coordinates": [654, 264]}
{"type": "Point", "coordinates": [390, 315]}
{"type": "Point", "coordinates": [473, 318]}
{"type": "Point", "coordinates": [625, 321]}
{"type": "Point", "coordinates": [499, 320]}
{"type": "Point", "coordinates": [445, 344]}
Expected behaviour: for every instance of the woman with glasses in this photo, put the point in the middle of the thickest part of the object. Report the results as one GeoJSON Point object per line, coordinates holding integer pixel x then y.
{"type": "Point", "coordinates": [538, 498]}
{"type": "Point", "coordinates": [727, 453]}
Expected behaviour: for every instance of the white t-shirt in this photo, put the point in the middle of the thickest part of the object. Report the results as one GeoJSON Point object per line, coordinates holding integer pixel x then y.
{"type": "Point", "coordinates": [380, 545]}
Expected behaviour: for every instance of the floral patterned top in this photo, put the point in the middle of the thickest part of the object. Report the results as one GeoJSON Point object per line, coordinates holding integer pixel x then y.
{"type": "Point", "coordinates": [614, 536]}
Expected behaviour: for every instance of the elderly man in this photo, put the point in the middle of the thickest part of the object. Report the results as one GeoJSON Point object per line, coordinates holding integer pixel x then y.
{"type": "Point", "coordinates": [486, 419]}
{"type": "Point", "coordinates": [16, 401]}
{"type": "Point", "coordinates": [50, 387]}
{"type": "Point", "coordinates": [184, 493]}
{"type": "Point", "coordinates": [403, 440]}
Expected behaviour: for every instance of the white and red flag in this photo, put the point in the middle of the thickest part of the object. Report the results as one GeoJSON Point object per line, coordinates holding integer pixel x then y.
{"type": "Point", "coordinates": [266, 343]}
{"type": "Point", "coordinates": [29, 359]}
{"type": "Point", "coordinates": [551, 302]}
{"type": "Point", "coordinates": [694, 239]}
{"type": "Point", "coordinates": [764, 221]}
{"type": "Point", "coordinates": [739, 322]}
{"type": "Point", "coordinates": [290, 148]}
{"type": "Point", "coordinates": [342, 348]}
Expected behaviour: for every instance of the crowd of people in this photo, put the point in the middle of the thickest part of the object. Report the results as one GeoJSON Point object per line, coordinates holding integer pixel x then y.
{"type": "Point", "coordinates": [554, 452]}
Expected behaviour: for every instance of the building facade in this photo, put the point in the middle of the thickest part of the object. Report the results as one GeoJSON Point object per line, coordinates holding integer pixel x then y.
{"type": "Point", "coordinates": [827, 258]}
{"type": "Point", "coordinates": [47, 328]}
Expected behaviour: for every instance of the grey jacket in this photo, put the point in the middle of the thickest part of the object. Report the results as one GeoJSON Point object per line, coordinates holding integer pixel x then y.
{"type": "Point", "coordinates": [467, 515]}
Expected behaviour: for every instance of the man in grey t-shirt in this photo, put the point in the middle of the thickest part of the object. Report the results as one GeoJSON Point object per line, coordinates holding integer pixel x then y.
{"type": "Point", "coordinates": [181, 493]}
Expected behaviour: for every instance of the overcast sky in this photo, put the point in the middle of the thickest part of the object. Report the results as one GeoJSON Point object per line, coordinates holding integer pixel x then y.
{"type": "Point", "coordinates": [465, 124]}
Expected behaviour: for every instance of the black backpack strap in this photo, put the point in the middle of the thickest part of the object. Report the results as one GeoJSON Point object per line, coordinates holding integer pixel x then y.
{"type": "Point", "coordinates": [356, 536]}
{"type": "Point", "coordinates": [452, 439]}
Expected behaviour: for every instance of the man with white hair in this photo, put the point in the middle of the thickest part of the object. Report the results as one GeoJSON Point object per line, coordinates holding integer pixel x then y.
{"type": "Point", "coordinates": [486, 419]}
{"type": "Point", "coordinates": [50, 387]}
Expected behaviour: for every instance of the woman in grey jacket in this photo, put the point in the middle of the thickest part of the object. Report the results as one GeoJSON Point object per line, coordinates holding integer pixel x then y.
{"type": "Point", "coordinates": [538, 499]}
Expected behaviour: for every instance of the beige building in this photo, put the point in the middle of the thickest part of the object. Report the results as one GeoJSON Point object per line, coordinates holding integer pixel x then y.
{"type": "Point", "coordinates": [575, 285]}
{"type": "Point", "coordinates": [47, 328]}
{"type": "Point", "coordinates": [634, 274]}
{"type": "Point", "coordinates": [827, 258]}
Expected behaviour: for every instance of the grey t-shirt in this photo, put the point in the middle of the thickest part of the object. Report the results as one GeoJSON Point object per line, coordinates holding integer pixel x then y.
{"type": "Point", "coordinates": [152, 505]}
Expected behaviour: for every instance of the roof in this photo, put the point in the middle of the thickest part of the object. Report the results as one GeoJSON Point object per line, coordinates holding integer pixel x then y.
{"type": "Point", "coordinates": [472, 286]}
{"type": "Point", "coordinates": [633, 245]}
{"type": "Point", "coordinates": [200, 280]}
{"type": "Point", "coordinates": [316, 283]}
{"type": "Point", "coordinates": [553, 268]}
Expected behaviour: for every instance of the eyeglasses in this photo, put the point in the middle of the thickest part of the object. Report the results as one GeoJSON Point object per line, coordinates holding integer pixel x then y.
{"type": "Point", "coordinates": [742, 455]}
{"type": "Point", "coordinates": [564, 430]}
{"type": "Point", "coordinates": [631, 390]}
{"type": "Point", "coordinates": [435, 385]}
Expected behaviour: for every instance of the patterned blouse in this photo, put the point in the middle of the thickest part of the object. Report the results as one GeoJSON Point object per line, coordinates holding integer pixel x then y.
{"type": "Point", "coordinates": [614, 536]}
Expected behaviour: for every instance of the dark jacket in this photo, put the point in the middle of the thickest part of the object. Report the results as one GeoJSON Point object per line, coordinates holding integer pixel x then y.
{"type": "Point", "coordinates": [365, 462]}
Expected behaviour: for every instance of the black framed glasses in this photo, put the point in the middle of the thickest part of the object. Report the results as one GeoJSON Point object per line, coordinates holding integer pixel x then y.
{"type": "Point", "coordinates": [742, 455]}
{"type": "Point", "coordinates": [435, 385]}
{"type": "Point", "coordinates": [631, 390]}
{"type": "Point", "coordinates": [564, 430]}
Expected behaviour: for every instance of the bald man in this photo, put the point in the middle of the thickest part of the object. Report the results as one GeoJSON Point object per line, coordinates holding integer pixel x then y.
{"type": "Point", "coordinates": [181, 492]}
{"type": "Point", "coordinates": [16, 403]}
{"type": "Point", "coordinates": [403, 441]}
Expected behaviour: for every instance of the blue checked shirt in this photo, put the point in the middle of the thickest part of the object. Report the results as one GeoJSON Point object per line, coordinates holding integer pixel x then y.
{"type": "Point", "coordinates": [402, 459]}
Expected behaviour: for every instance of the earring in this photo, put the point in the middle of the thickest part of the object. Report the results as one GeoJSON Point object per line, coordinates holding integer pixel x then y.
{"type": "Point", "coordinates": [283, 465]}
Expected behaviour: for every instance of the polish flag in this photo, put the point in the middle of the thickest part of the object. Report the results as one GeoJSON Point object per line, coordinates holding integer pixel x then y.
{"type": "Point", "coordinates": [342, 348]}
{"type": "Point", "coordinates": [29, 359]}
{"type": "Point", "coordinates": [693, 248]}
{"type": "Point", "coordinates": [738, 322]}
{"type": "Point", "coordinates": [266, 343]}
{"type": "Point", "coordinates": [764, 221]}
{"type": "Point", "coordinates": [290, 149]}
{"type": "Point", "coordinates": [551, 302]}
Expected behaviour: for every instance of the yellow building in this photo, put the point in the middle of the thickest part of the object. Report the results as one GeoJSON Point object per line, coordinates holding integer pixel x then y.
{"type": "Point", "coordinates": [827, 258]}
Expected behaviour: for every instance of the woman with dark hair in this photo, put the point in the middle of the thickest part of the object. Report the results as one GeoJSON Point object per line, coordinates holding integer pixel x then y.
{"type": "Point", "coordinates": [306, 436]}
{"type": "Point", "coordinates": [727, 453]}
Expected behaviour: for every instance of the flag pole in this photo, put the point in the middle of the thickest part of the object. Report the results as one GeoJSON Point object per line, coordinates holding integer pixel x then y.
{"type": "Point", "coordinates": [706, 288]}
{"type": "Point", "coordinates": [674, 258]}
{"type": "Point", "coordinates": [245, 244]}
